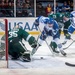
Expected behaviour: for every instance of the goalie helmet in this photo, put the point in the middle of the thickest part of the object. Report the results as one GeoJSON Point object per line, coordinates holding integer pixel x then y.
{"type": "Point", "coordinates": [17, 26]}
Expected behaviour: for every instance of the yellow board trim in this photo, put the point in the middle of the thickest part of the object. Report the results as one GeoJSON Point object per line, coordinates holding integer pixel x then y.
{"type": "Point", "coordinates": [30, 32]}
{"type": "Point", "coordinates": [2, 33]}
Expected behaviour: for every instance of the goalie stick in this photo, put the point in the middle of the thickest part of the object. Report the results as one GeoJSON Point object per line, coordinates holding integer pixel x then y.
{"type": "Point", "coordinates": [70, 64]}
{"type": "Point", "coordinates": [35, 49]}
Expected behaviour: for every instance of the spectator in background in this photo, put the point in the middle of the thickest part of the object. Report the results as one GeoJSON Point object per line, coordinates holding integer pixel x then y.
{"type": "Point", "coordinates": [70, 3]}
{"type": "Point", "coordinates": [19, 10]}
{"type": "Point", "coordinates": [49, 9]}
{"type": "Point", "coordinates": [57, 8]}
{"type": "Point", "coordinates": [39, 9]}
{"type": "Point", "coordinates": [30, 14]}
{"type": "Point", "coordinates": [71, 6]}
{"type": "Point", "coordinates": [27, 1]}
{"type": "Point", "coordinates": [3, 7]}
{"type": "Point", "coordinates": [25, 10]}
{"type": "Point", "coordinates": [10, 8]}
{"type": "Point", "coordinates": [65, 7]}
{"type": "Point", "coordinates": [7, 7]}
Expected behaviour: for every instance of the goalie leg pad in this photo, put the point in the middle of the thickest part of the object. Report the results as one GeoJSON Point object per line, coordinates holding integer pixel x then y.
{"type": "Point", "coordinates": [26, 57]}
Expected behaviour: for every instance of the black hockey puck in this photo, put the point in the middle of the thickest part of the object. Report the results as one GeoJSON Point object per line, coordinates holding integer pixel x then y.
{"type": "Point", "coordinates": [41, 57]}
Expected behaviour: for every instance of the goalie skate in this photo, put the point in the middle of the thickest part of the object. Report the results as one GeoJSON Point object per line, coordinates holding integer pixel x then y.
{"type": "Point", "coordinates": [25, 57]}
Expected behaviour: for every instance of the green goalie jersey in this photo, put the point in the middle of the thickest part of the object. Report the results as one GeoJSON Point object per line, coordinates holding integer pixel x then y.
{"type": "Point", "coordinates": [16, 35]}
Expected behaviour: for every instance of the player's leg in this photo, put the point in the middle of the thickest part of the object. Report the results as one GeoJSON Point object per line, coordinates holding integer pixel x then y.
{"type": "Point", "coordinates": [24, 52]}
{"type": "Point", "coordinates": [12, 51]}
{"type": "Point", "coordinates": [17, 51]}
{"type": "Point", "coordinates": [57, 41]}
{"type": "Point", "coordinates": [53, 45]}
{"type": "Point", "coordinates": [65, 31]}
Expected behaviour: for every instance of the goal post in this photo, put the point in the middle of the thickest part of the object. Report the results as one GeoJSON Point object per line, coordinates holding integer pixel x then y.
{"type": "Point", "coordinates": [3, 43]}
{"type": "Point", "coordinates": [6, 33]}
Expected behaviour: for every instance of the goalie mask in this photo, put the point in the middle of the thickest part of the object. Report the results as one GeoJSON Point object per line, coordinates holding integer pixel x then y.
{"type": "Point", "coordinates": [17, 26]}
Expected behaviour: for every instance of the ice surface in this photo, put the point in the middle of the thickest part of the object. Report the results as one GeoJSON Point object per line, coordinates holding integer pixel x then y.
{"type": "Point", "coordinates": [48, 61]}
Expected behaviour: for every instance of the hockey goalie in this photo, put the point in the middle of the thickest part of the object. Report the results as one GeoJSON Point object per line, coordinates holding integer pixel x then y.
{"type": "Point", "coordinates": [16, 48]}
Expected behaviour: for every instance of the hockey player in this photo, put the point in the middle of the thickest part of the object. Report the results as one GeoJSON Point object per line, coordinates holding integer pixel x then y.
{"type": "Point", "coordinates": [63, 22]}
{"type": "Point", "coordinates": [51, 28]}
{"type": "Point", "coordinates": [16, 48]}
{"type": "Point", "coordinates": [67, 22]}
{"type": "Point", "coordinates": [71, 28]}
{"type": "Point", "coordinates": [62, 19]}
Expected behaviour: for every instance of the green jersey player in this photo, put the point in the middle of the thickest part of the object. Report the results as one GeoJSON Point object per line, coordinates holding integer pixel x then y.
{"type": "Point", "coordinates": [15, 46]}
{"type": "Point", "coordinates": [59, 17]}
{"type": "Point", "coordinates": [67, 23]}
{"type": "Point", "coordinates": [63, 21]}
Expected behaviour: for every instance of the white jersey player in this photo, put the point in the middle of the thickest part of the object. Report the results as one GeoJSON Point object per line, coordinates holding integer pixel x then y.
{"type": "Point", "coordinates": [51, 28]}
{"type": "Point", "coordinates": [71, 28]}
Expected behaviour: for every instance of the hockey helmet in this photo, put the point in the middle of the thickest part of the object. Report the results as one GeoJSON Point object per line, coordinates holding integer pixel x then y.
{"type": "Point", "coordinates": [50, 21]}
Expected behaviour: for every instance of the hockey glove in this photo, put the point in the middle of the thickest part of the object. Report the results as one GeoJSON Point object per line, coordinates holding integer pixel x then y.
{"type": "Point", "coordinates": [36, 23]}
{"type": "Point", "coordinates": [68, 36]}
{"type": "Point", "coordinates": [32, 42]}
{"type": "Point", "coordinates": [54, 32]}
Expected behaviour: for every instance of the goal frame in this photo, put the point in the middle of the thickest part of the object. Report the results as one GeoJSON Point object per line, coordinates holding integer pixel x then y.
{"type": "Point", "coordinates": [6, 38]}
{"type": "Point", "coordinates": [5, 32]}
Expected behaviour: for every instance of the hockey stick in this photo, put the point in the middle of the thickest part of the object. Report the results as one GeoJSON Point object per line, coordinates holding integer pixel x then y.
{"type": "Point", "coordinates": [23, 45]}
{"type": "Point", "coordinates": [35, 49]}
{"type": "Point", "coordinates": [47, 43]}
{"type": "Point", "coordinates": [70, 64]}
{"type": "Point", "coordinates": [69, 44]}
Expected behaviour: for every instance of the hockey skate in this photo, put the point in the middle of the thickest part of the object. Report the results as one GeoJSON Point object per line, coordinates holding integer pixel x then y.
{"type": "Point", "coordinates": [25, 57]}
{"type": "Point", "coordinates": [62, 52]}
{"type": "Point", "coordinates": [54, 49]}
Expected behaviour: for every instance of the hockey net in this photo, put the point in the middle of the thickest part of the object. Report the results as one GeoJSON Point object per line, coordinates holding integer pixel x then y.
{"type": "Point", "coordinates": [3, 43]}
